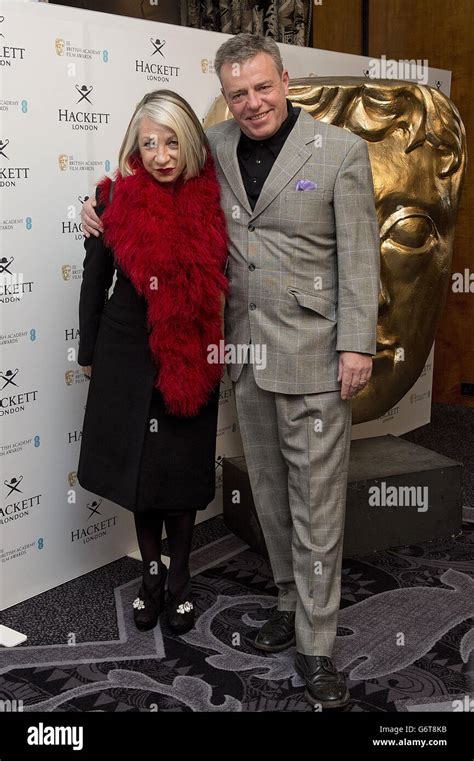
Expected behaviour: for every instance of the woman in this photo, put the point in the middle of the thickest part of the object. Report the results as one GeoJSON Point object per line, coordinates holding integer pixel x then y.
{"type": "Point", "coordinates": [149, 432]}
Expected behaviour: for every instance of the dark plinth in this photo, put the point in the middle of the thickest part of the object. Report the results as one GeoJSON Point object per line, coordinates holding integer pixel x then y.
{"type": "Point", "coordinates": [383, 460]}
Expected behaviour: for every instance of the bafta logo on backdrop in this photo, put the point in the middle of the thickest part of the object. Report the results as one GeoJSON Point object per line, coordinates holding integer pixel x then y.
{"type": "Point", "coordinates": [63, 161]}
{"type": "Point", "coordinates": [207, 66]}
{"type": "Point", "coordinates": [417, 148]}
{"type": "Point", "coordinates": [60, 46]}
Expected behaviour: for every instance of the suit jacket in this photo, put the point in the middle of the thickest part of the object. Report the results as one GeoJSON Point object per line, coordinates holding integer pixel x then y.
{"type": "Point", "coordinates": [303, 265]}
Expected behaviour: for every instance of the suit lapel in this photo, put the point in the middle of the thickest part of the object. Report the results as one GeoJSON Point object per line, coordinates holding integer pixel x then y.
{"type": "Point", "coordinates": [292, 157]}
{"type": "Point", "coordinates": [294, 154]}
{"type": "Point", "coordinates": [227, 155]}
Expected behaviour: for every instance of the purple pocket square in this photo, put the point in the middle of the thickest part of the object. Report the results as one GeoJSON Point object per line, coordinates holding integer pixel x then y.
{"type": "Point", "coordinates": [305, 185]}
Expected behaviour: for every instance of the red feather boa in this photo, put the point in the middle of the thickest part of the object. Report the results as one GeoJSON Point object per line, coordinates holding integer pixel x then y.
{"type": "Point", "coordinates": [172, 245]}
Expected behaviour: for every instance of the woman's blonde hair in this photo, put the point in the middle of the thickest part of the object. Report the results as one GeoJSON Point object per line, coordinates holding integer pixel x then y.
{"type": "Point", "coordinates": [168, 109]}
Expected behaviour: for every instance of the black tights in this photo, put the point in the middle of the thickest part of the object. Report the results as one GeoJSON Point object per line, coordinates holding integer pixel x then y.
{"type": "Point", "coordinates": [179, 531]}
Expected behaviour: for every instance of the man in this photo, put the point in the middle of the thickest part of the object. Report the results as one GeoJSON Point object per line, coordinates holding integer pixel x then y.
{"type": "Point", "coordinates": [304, 273]}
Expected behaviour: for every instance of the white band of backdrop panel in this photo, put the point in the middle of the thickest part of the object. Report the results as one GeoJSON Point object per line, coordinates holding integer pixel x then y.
{"type": "Point", "coordinates": [70, 80]}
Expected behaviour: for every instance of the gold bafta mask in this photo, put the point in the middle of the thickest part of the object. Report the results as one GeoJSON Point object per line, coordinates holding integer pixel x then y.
{"type": "Point", "coordinates": [66, 271]}
{"type": "Point", "coordinates": [63, 162]}
{"type": "Point", "coordinates": [204, 65]}
{"type": "Point", "coordinates": [60, 46]}
{"type": "Point", "coordinates": [72, 478]}
{"type": "Point", "coordinates": [417, 149]}
{"type": "Point", "coordinates": [69, 377]}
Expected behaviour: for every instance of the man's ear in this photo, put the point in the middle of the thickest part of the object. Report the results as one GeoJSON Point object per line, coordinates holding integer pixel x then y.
{"type": "Point", "coordinates": [285, 78]}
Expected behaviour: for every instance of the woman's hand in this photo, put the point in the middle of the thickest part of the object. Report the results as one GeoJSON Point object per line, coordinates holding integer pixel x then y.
{"type": "Point", "coordinates": [87, 370]}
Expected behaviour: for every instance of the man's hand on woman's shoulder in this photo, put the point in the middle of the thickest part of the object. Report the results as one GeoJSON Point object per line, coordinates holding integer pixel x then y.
{"type": "Point", "coordinates": [91, 224]}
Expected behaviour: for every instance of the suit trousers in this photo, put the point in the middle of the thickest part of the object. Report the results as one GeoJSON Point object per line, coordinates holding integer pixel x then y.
{"type": "Point", "coordinates": [297, 453]}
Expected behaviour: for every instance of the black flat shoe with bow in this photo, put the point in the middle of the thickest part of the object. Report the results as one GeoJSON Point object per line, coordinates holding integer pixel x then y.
{"type": "Point", "coordinates": [180, 614]}
{"type": "Point", "coordinates": [150, 603]}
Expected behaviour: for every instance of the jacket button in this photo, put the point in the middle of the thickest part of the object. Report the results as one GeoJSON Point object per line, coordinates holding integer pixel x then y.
{"type": "Point", "coordinates": [252, 306]}
{"type": "Point", "coordinates": [251, 267]}
{"type": "Point", "coordinates": [251, 228]}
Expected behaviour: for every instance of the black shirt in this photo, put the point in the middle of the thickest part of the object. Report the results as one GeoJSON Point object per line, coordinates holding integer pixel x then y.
{"type": "Point", "coordinates": [256, 157]}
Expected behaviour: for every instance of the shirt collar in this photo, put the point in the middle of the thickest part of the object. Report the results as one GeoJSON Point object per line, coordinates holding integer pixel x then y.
{"type": "Point", "coordinates": [273, 142]}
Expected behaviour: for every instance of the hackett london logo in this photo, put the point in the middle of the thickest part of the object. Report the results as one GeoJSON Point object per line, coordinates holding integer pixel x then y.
{"type": "Point", "coordinates": [12, 399]}
{"type": "Point", "coordinates": [13, 285]}
{"type": "Point", "coordinates": [156, 70]}
{"type": "Point", "coordinates": [158, 46]}
{"type": "Point", "coordinates": [84, 93]}
{"type": "Point", "coordinates": [71, 334]}
{"type": "Point", "coordinates": [10, 55]}
{"type": "Point", "coordinates": [74, 437]}
{"type": "Point", "coordinates": [96, 529]}
{"type": "Point", "coordinates": [79, 119]}
{"type": "Point", "coordinates": [218, 468]}
{"type": "Point", "coordinates": [389, 415]}
{"type": "Point", "coordinates": [10, 175]}
{"type": "Point", "coordinates": [72, 225]}
{"type": "Point", "coordinates": [18, 501]}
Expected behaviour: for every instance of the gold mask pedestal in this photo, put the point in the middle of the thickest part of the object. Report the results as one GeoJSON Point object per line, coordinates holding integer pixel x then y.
{"type": "Point", "coordinates": [417, 148]}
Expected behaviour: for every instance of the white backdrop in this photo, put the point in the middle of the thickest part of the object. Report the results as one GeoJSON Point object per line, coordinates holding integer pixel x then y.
{"type": "Point", "coordinates": [69, 82]}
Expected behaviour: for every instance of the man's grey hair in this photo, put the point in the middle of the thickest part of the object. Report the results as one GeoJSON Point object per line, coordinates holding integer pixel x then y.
{"type": "Point", "coordinates": [243, 46]}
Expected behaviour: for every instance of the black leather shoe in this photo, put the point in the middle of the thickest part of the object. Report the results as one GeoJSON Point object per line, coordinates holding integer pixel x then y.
{"type": "Point", "coordinates": [180, 614]}
{"type": "Point", "coordinates": [277, 633]}
{"type": "Point", "coordinates": [150, 603]}
{"type": "Point", "coordinates": [325, 686]}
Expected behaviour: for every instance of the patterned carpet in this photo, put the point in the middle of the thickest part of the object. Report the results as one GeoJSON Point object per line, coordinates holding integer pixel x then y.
{"type": "Point", "coordinates": [405, 642]}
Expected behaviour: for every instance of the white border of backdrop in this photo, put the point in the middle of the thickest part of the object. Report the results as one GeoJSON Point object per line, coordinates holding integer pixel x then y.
{"type": "Point", "coordinates": [51, 530]}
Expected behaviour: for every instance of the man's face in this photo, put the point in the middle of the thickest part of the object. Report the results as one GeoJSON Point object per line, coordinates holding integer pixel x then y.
{"type": "Point", "coordinates": [256, 95]}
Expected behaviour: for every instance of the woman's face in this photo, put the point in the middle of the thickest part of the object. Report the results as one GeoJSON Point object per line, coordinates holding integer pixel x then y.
{"type": "Point", "coordinates": [159, 151]}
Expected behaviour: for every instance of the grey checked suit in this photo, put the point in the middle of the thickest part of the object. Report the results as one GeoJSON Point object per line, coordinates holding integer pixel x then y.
{"type": "Point", "coordinates": [304, 282]}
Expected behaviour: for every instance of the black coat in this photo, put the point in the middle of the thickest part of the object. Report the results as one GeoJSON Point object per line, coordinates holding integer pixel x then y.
{"type": "Point", "coordinates": [118, 453]}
